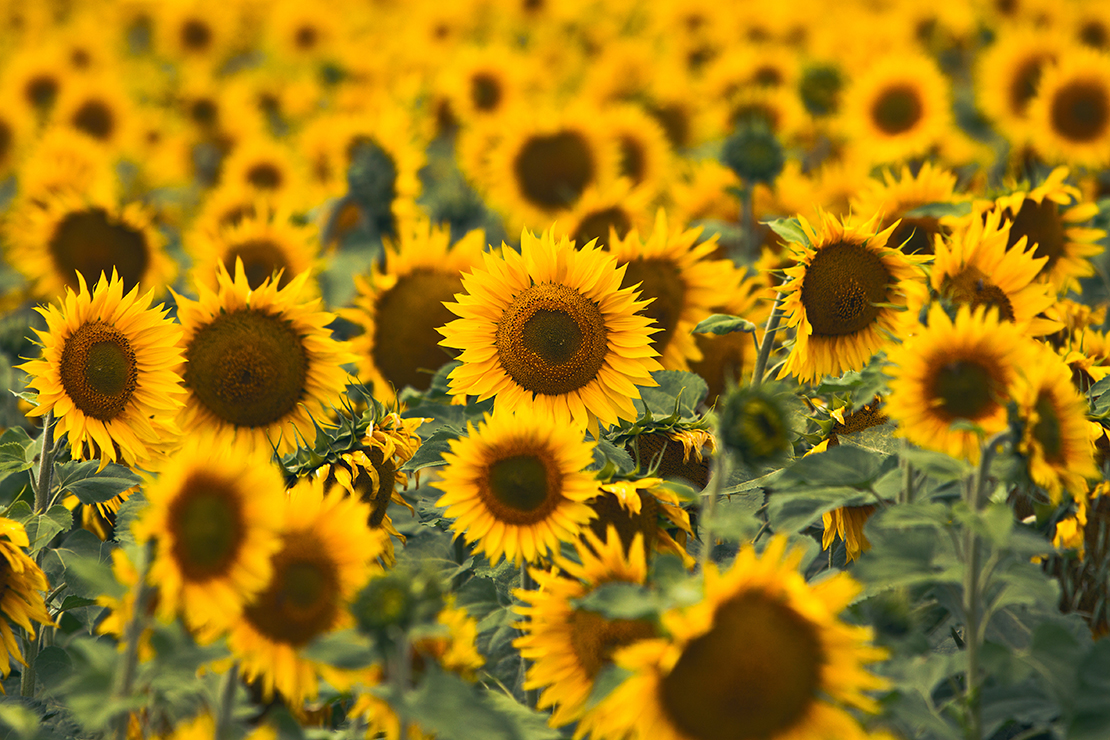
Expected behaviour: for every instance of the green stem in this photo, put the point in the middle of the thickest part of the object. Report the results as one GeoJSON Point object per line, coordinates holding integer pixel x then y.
{"type": "Point", "coordinates": [768, 341]}
{"type": "Point", "coordinates": [747, 219]}
{"type": "Point", "coordinates": [132, 636]}
{"type": "Point", "coordinates": [711, 493]}
{"type": "Point", "coordinates": [227, 702]}
{"type": "Point", "coordinates": [28, 679]}
{"type": "Point", "coordinates": [907, 494]}
{"type": "Point", "coordinates": [44, 479]}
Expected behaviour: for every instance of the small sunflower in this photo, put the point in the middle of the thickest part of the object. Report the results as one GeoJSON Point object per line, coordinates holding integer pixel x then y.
{"type": "Point", "coordinates": [372, 471]}
{"type": "Point", "coordinates": [763, 655]}
{"type": "Point", "coordinates": [976, 266]}
{"type": "Point", "coordinates": [268, 167]}
{"type": "Point", "coordinates": [645, 155]}
{"type": "Point", "coordinates": [1056, 438]}
{"type": "Point", "coordinates": [643, 509]}
{"type": "Point", "coordinates": [260, 364]}
{"type": "Point", "coordinates": [301, 33]}
{"type": "Point", "coordinates": [215, 513]}
{"type": "Point", "coordinates": [402, 304]}
{"type": "Point", "coordinates": [847, 524]}
{"type": "Point", "coordinates": [844, 295]}
{"type": "Point", "coordinates": [548, 330]}
{"type": "Point", "coordinates": [1070, 117]}
{"type": "Point", "coordinates": [682, 280]}
{"type": "Point", "coordinates": [1052, 216]}
{"type": "Point", "coordinates": [897, 196]}
{"type": "Point", "coordinates": [517, 485]}
{"type": "Point", "coordinates": [22, 585]}
{"type": "Point", "coordinates": [602, 213]}
{"type": "Point", "coordinates": [100, 109]}
{"type": "Point", "coordinates": [110, 373]}
{"type": "Point", "coordinates": [267, 241]}
{"type": "Point", "coordinates": [568, 646]}
{"type": "Point", "coordinates": [196, 32]}
{"type": "Point", "coordinates": [325, 557]}
{"type": "Point", "coordinates": [898, 108]}
{"type": "Point", "coordinates": [1009, 74]}
{"type": "Point", "coordinates": [951, 371]}
{"type": "Point", "coordinates": [484, 81]}
{"type": "Point", "coordinates": [71, 233]}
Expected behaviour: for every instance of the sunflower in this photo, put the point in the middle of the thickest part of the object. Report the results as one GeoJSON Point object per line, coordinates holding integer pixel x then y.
{"type": "Point", "coordinates": [847, 524]}
{"type": "Point", "coordinates": [549, 330]}
{"type": "Point", "coordinates": [267, 241]}
{"type": "Point", "coordinates": [645, 155]}
{"type": "Point", "coordinates": [763, 655]}
{"type": "Point", "coordinates": [110, 373]}
{"type": "Point", "coordinates": [951, 371]}
{"type": "Point", "coordinates": [484, 81]}
{"type": "Point", "coordinates": [22, 584]}
{"type": "Point", "coordinates": [299, 33]}
{"type": "Point", "coordinates": [215, 513]}
{"type": "Point", "coordinates": [844, 295]}
{"type": "Point", "coordinates": [568, 646]}
{"type": "Point", "coordinates": [371, 472]}
{"type": "Point", "coordinates": [894, 197]}
{"type": "Point", "coordinates": [197, 32]}
{"type": "Point", "coordinates": [517, 485]}
{"type": "Point", "coordinates": [1055, 436]}
{"type": "Point", "coordinates": [401, 305]}
{"type": "Point", "coordinates": [325, 557]}
{"type": "Point", "coordinates": [61, 161]}
{"type": "Point", "coordinates": [260, 364]}
{"type": "Point", "coordinates": [1009, 73]}
{"type": "Point", "coordinates": [545, 162]}
{"type": "Point", "coordinates": [1052, 216]}
{"type": "Point", "coordinates": [100, 109]}
{"type": "Point", "coordinates": [1070, 117]}
{"type": "Point", "coordinates": [267, 166]}
{"type": "Point", "coordinates": [34, 76]}
{"type": "Point", "coordinates": [975, 267]}
{"type": "Point", "coordinates": [604, 212]}
{"type": "Point", "coordinates": [90, 235]}
{"type": "Point", "coordinates": [898, 108]}
{"type": "Point", "coordinates": [728, 359]}
{"type": "Point", "coordinates": [643, 509]}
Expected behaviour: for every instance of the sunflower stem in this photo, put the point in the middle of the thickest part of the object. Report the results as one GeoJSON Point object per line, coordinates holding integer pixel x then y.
{"type": "Point", "coordinates": [974, 490]}
{"type": "Point", "coordinates": [132, 635]}
{"type": "Point", "coordinates": [43, 480]}
{"type": "Point", "coordinates": [907, 494]}
{"type": "Point", "coordinates": [28, 679]}
{"type": "Point", "coordinates": [747, 218]}
{"type": "Point", "coordinates": [711, 494]}
{"type": "Point", "coordinates": [768, 341]}
{"type": "Point", "coordinates": [227, 702]}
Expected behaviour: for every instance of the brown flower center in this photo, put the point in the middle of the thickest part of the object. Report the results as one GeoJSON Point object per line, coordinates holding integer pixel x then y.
{"type": "Point", "coordinates": [963, 388]}
{"type": "Point", "coordinates": [262, 258]}
{"type": "Point", "coordinates": [595, 638]}
{"type": "Point", "coordinates": [303, 599]}
{"type": "Point", "coordinates": [610, 513]}
{"type": "Point", "coordinates": [1080, 111]}
{"type": "Point", "coordinates": [522, 486]}
{"type": "Point", "coordinates": [1047, 430]}
{"type": "Point", "coordinates": [1023, 84]}
{"type": "Point", "coordinates": [897, 110]}
{"type": "Point", "coordinates": [96, 119]}
{"type": "Point", "coordinates": [552, 339]}
{"type": "Point", "coordinates": [485, 92]}
{"type": "Point", "coordinates": [1041, 223]}
{"type": "Point", "coordinates": [973, 288]}
{"type": "Point", "coordinates": [659, 279]}
{"type": "Point", "coordinates": [91, 242]}
{"type": "Point", "coordinates": [406, 347]}
{"type": "Point", "coordinates": [98, 370]}
{"type": "Point", "coordinates": [265, 176]}
{"type": "Point", "coordinates": [552, 171]}
{"type": "Point", "coordinates": [841, 286]}
{"type": "Point", "coordinates": [915, 235]}
{"type": "Point", "coordinates": [206, 520]}
{"type": "Point", "coordinates": [596, 225]}
{"type": "Point", "coordinates": [633, 161]}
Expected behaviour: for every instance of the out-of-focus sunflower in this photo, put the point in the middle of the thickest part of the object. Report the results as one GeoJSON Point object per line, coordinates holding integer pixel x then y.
{"type": "Point", "coordinates": [267, 166]}
{"type": "Point", "coordinates": [568, 646]}
{"type": "Point", "coordinates": [196, 32]}
{"type": "Point", "coordinates": [1053, 216]}
{"type": "Point", "coordinates": [1008, 76]}
{"type": "Point", "coordinates": [260, 363]}
{"type": "Point", "coordinates": [371, 471]}
{"type": "Point", "coordinates": [682, 280]}
{"type": "Point", "coordinates": [1087, 352]}
{"type": "Point", "coordinates": [548, 330]}
{"type": "Point", "coordinates": [763, 655]}
{"type": "Point", "coordinates": [62, 160]}
{"type": "Point", "coordinates": [545, 162]}
{"type": "Point", "coordinates": [1090, 25]}
{"type": "Point", "coordinates": [516, 486]}
{"type": "Point", "coordinates": [844, 295]}
{"type": "Point", "coordinates": [302, 34]}
{"type": "Point", "coordinates": [22, 584]}
{"type": "Point", "coordinates": [73, 233]}
{"type": "Point", "coordinates": [484, 81]}
{"type": "Point", "coordinates": [1070, 117]}
{"type": "Point", "coordinates": [268, 242]}
{"type": "Point", "coordinates": [110, 373]}
{"type": "Point", "coordinates": [34, 76]}
{"type": "Point", "coordinates": [401, 305]}
{"type": "Point", "coordinates": [1056, 438]}
{"type": "Point", "coordinates": [643, 509]}
{"type": "Point", "coordinates": [326, 555]}
{"type": "Point", "coordinates": [215, 512]}
{"type": "Point", "coordinates": [617, 207]}
{"type": "Point", "coordinates": [100, 109]}
{"type": "Point", "coordinates": [976, 267]}
{"type": "Point", "coordinates": [896, 109]}
{"type": "Point", "coordinates": [728, 359]}
{"type": "Point", "coordinates": [645, 155]}
{"type": "Point", "coordinates": [959, 370]}
{"type": "Point", "coordinates": [895, 197]}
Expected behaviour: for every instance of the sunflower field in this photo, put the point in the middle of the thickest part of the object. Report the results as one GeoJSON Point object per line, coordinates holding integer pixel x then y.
{"type": "Point", "coordinates": [555, 369]}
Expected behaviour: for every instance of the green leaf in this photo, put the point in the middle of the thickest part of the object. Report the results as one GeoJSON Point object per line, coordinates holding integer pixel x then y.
{"type": "Point", "coordinates": [940, 210]}
{"type": "Point", "coordinates": [794, 510]}
{"type": "Point", "coordinates": [346, 649]}
{"type": "Point", "coordinates": [621, 600]}
{"type": "Point", "coordinates": [449, 707]}
{"type": "Point", "coordinates": [722, 323]}
{"type": "Point", "coordinates": [53, 665]}
{"type": "Point", "coordinates": [936, 465]}
{"type": "Point", "coordinates": [528, 723]}
{"type": "Point", "coordinates": [75, 602]}
{"type": "Point", "coordinates": [90, 487]}
{"type": "Point", "coordinates": [15, 451]}
{"type": "Point", "coordinates": [790, 229]}
{"type": "Point", "coordinates": [430, 453]}
{"type": "Point", "coordinates": [678, 392]}
{"type": "Point", "coordinates": [41, 529]}
{"type": "Point", "coordinates": [1092, 711]}
{"type": "Point", "coordinates": [844, 465]}
{"type": "Point", "coordinates": [605, 683]}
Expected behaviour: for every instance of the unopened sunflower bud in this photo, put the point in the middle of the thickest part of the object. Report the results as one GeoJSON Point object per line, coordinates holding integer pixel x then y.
{"type": "Point", "coordinates": [753, 153]}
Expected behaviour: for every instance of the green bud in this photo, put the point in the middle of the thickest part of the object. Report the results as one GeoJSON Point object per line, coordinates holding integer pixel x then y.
{"type": "Point", "coordinates": [755, 426]}
{"type": "Point", "coordinates": [753, 152]}
{"type": "Point", "coordinates": [819, 89]}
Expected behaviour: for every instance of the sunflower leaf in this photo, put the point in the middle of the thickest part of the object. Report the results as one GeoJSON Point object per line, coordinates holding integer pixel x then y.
{"type": "Point", "coordinates": [790, 229]}
{"type": "Point", "coordinates": [793, 511]}
{"type": "Point", "coordinates": [678, 394]}
{"type": "Point", "coordinates": [621, 600]}
{"type": "Point", "coordinates": [91, 487]}
{"type": "Point", "coordinates": [430, 453]}
{"type": "Point", "coordinates": [15, 451]}
{"type": "Point", "coordinates": [41, 529]}
{"type": "Point", "coordinates": [346, 649]}
{"type": "Point", "coordinates": [723, 323]}
{"type": "Point", "coordinates": [940, 210]}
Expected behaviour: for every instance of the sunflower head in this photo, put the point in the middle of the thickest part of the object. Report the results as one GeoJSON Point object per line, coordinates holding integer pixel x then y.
{"type": "Point", "coordinates": [755, 425]}
{"type": "Point", "coordinates": [22, 584]}
{"type": "Point", "coordinates": [754, 153]}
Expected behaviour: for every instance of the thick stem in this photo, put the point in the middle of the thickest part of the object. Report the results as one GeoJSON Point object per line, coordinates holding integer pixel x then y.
{"type": "Point", "coordinates": [28, 679]}
{"type": "Point", "coordinates": [227, 702]}
{"type": "Point", "coordinates": [906, 495]}
{"type": "Point", "coordinates": [768, 341]}
{"type": "Point", "coordinates": [400, 675]}
{"type": "Point", "coordinates": [44, 478]}
{"type": "Point", "coordinates": [710, 495]}
{"type": "Point", "coordinates": [132, 636]}
{"type": "Point", "coordinates": [747, 223]}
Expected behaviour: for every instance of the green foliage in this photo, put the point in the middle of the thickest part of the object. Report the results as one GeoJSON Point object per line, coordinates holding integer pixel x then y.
{"type": "Point", "coordinates": [721, 323]}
